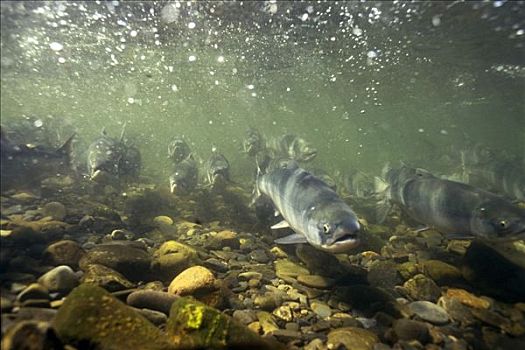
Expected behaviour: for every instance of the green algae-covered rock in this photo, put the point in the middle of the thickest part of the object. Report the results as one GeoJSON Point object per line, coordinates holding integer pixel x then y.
{"type": "Point", "coordinates": [193, 325]}
{"type": "Point", "coordinates": [90, 315]}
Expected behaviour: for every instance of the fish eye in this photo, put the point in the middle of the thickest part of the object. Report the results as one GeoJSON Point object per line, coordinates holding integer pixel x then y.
{"type": "Point", "coordinates": [326, 228]}
{"type": "Point", "coordinates": [503, 224]}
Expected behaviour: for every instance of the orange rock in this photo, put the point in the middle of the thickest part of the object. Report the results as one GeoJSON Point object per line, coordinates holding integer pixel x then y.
{"type": "Point", "coordinates": [468, 299]}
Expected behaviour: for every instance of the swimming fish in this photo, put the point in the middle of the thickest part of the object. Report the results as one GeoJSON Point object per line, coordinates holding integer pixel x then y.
{"type": "Point", "coordinates": [311, 208]}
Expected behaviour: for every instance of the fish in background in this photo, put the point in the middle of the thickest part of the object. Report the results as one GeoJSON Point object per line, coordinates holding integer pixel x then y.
{"type": "Point", "coordinates": [494, 171]}
{"type": "Point", "coordinates": [324, 176]}
{"type": "Point", "coordinates": [253, 142]}
{"type": "Point", "coordinates": [292, 147]}
{"type": "Point", "coordinates": [104, 158]}
{"type": "Point", "coordinates": [184, 177]}
{"type": "Point", "coordinates": [359, 184]}
{"type": "Point", "coordinates": [26, 165]}
{"type": "Point", "coordinates": [130, 163]}
{"type": "Point", "coordinates": [453, 208]}
{"type": "Point", "coordinates": [217, 169]}
{"type": "Point", "coordinates": [178, 150]}
{"type": "Point", "coordinates": [310, 208]}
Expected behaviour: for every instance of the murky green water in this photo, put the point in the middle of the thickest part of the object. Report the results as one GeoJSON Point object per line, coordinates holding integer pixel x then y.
{"type": "Point", "coordinates": [365, 82]}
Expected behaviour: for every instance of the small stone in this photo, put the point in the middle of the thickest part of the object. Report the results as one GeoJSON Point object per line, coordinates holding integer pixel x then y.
{"type": "Point", "coordinates": [151, 299]}
{"type": "Point", "coordinates": [406, 329]}
{"type": "Point", "coordinates": [267, 301]}
{"type": "Point", "coordinates": [250, 275]}
{"type": "Point", "coordinates": [61, 279]}
{"type": "Point", "coordinates": [106, 278]}
{"type": "Point", "coordinates": [163, 220]}
{"type": "Point", "coordinates": [286, 335]}
{"type": "Point", "coordinates": [24, 197]}
{"type": "Point", "coordinates": [429, 312]}
{"type": "Point", "coordinates": [189, 281]}
{"type": "Point", "coordinates": [33, 291]}
{"type": "Point", "coordinates": [420, 287]}
{"type": "Point", "coordinates": [156, 317]}
{"type": "Point", "coordinates": [408, 270]}
{"type": "Point", "coordinates": [260, 256]}
{"type": "Point", "coordinates": [245, 316]}
{"type": "Point", "coordinates": [266, 322]}
{"type": "Point", "coordinates": [278, 253]}
{"type": "Point", "coordinates": [216, 265]}
{"type": "Point", "coordinates": [121, 235]}
{"type": "Point", "coordinates": [441, 272]}
{"type": "Point", "coordinates": [284, 312]}
{"type": "Point", "coordinates": [223, 239]}
{"type": "Point", "coordinates": [352, 338]}
{"type": "Point", "coordinates": [171, 258]}
{"type": "Point", "coordinates": [56, 210]}
{"type": "Point", "coordinates": [315, 281]}
{"type": "Point", "coordinates": [384, 274]}
{"type": "Point", "coordinates": [286, 268]}
{"type": "Point", "coordinates": [5, 304]}
{"type": "Point", "coordinates": [467, 298]}
{"type": "Point", "coordinates": [321, 309]}
{"type": "Point", "coordinates": [64, 252]}
{"type": "Point", "coordinates": [254, 283]}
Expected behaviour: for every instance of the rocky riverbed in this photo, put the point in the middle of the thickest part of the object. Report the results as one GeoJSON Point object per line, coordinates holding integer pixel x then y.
{"type": "Point", "coordinates": [149, 270]}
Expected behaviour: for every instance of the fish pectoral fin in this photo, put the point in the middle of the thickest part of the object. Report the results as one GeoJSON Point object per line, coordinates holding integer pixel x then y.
{"type": "Point", "coordinates": [292, 239]}
{"type": "Point", "coordinates": [459, 235]}
{"type": "Point", "coordinates": [281, 224]}
{"type": "Point", "coordinates": [422, 229]}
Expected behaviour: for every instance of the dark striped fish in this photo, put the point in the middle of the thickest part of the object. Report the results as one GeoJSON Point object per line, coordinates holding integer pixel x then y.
{"type": "Point", "coordinates": [454, 208]}
{"type": "Point", "coordinates": [311, 208]}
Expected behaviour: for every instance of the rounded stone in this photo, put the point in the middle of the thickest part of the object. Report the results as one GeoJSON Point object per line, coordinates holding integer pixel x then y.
{"type": "Point", "coordinates": [60, 279]}
{"type": "Point", "coordinates": [163, 220]}
{"type": "Point", "coordinates": [64, 252]}
{"type": "Point", "coordinates": [31, 334]}
{"type": "Point", "coordinates": [467, 298]}
{"type": "Point", "coordinates": [420, 287]}
{"type": "Point", "coordinates": [315, 281]}
{"type": "Point", "coordinates": [151, 299]}
{"type": "Point", "coordinates": [56, 210]}
{"type": "Point", "coordinates": [189, 281]}
{"type": "Point", "coordinates": [352, 338]}
{"type": "Point", "coordinates": [321, 309]}
{"type": "Point", "coordinates": [406, 329]}
{"type": "Point", "coordinates": [33, 291]}
{"type": "Point", "coordinates": [429, 312]}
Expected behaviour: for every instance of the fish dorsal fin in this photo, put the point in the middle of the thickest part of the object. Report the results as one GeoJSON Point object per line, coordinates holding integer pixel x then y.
{"type": "Point", "coordinates": [103, 132]}
{"type": "Point", "coordinates": [295, 238]}
{"type": "Point", "coordinates": [281, 224]}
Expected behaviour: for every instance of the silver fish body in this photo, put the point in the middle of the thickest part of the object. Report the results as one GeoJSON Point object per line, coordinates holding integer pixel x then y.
{"type": "Point", "coordinates": [455, 208]}
{"type": "Point", "coordinates": [184, 177]}
{"type": "Point", "coordinates": [311, 208]}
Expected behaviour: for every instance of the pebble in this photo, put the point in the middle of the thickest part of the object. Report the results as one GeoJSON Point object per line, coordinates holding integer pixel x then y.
{"type": "Point", "coordinates": [216, 265]}
{"type": "Point", "coordinates": [267, 301]}
{"type": "Point", "coordinates": [467, 298]}
{"type": "Point", "coordinates": [429, 312]}
{"type": "Point", "coordinates": [266, 322]}
{"type": "Point", "coordinates": [196, 278]}
{"type": "Point", "coordinates": [441, 272]}
{"type": "Point", "coordinates": [56, 210]}
{"type": "Point", "coordinates": [260, 256]}
{"type": "Point", "coordinates": [33, 291]}
{"type": "Point", "coordinates": [321, 309]}
{"type": "Point", "coordinates": [286, 268]}
{"type": "Point", "coordinates": [286, 335]}
{"type": "Point", "coordinates": [245, 316]}
{"type": "Point", "coordinates": [315, 281]}
{"type": "Point", "coordinates": [163, 220]}
{"type": "Point", "coordinates": [352, 338]}
{"type": "Point", "coordinates": [31, 334]}
{"type": "Point", "coordinates": [5, 304]}
{"type": "Point", "coordinates": [284, 312]}
{"type": "Point", "coordinates": [106, 278]}
{"type": "Point", "coordinates": [151, 299]}
{"type": "Point", "coordinates": [250, 275]}
{"type": "Point", "coordinates": [156, 317]}
{"type": "Point", "coordinates": [61, 279]}
{"type": "Point", "coordinates": [407, 329]}
{"type": "Point", "coordinates": [420, 287]}
{"type": "Point", "coordinates": [65, 252]}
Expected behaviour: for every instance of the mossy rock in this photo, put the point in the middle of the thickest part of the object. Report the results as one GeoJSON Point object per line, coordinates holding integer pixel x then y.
{"type": "Point", "coordinates": [193, 325]}
{"type": "Point", "coordinates": [92, 318]}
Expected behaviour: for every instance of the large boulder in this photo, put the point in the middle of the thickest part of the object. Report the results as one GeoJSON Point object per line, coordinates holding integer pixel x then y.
{"type": "Point", "coordinates": [92, 318]}
{"type": "Point", "coordinates": [193, 325]}
{"type": "Point", "coordinates": [172, 258]}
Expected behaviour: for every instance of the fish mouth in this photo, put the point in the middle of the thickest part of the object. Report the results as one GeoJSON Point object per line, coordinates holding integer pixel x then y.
{"type": "Point", "coordinates": [343, 243]}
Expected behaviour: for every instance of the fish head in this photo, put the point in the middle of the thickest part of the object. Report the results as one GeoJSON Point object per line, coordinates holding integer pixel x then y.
{"type": "Point", "coordinates": [499, 220]}
{"type": "Point", "coordinates": [178, 150]}
{"type": "Point", "coordinates": [334, 231]}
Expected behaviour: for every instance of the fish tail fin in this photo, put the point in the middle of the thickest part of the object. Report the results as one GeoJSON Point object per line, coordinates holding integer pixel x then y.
{"type": "Point", "coordinates": [384, 205]}
{"type": "Point", "coordinates": [256, 193]}
{"type": "Point", "coordinates": [67, 148]}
